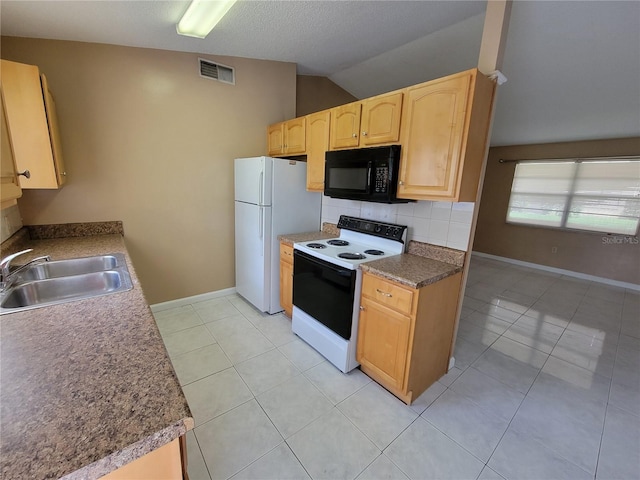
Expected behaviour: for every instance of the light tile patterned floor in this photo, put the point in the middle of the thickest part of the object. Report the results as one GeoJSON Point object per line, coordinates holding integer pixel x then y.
{"type": "Point", "coordinates": [546, 385]}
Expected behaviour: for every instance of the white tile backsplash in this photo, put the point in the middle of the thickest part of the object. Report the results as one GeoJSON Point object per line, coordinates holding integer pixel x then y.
{"type": "Point", "coordinates": [11, 222]}
{"type": "Point", "coordinates": [462, 212]}
{"type": "Point", "coordinates": [447, 224]}
{"type": "Point", "coordinates": [423, 209]}
{"type": "Point", "coordinates": [421, 227]}
{"type": "Point", "coordinates": [441, 211]}
{"type": "Point", "coordinates": [438, 232]}
{"type": "Point", "coordinates": [458, 236]}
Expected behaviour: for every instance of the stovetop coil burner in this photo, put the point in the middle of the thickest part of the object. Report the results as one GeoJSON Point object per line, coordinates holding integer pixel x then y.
{"type": "Point", "coordinates": [352, 256]}
{"type": "Point", "coordinates": [374, 252]}
{"type": "Point", "coordinates": [338, 243]}
{"type": "Point", "coordinates": [318, 246]}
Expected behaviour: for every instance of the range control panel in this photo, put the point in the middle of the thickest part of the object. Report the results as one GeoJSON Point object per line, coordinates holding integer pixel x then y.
{"type": "Point", "coordinates": [379, 229]}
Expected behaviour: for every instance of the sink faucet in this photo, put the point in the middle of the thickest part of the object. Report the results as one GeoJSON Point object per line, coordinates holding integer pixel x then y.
{"type": "Point", "coordinates": [7, 277]}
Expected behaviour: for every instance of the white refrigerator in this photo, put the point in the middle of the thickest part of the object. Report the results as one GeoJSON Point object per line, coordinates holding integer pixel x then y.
{"type": "Point", "coordinates": [270, 200]}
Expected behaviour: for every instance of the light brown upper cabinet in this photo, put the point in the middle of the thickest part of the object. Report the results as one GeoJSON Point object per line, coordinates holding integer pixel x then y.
{"type": "Point", "coordinates": [10, 189]}
{"type": "Point", "coordinates": [373, 121]}
{"type": "Point", "coordinates": [445, 127]}
{"type": "Point", "coordinates": [317, 146]}
{"type": "Point", "coordinates": [286, 138]}
{"type": "Point", "coordinates": [32, 126]}
{"type": "Point", "coordinates": [345, 126]}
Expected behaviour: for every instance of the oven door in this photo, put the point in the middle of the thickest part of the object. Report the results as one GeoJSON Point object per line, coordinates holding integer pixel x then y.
{"type": "Point", "coordinates": [324, 291]}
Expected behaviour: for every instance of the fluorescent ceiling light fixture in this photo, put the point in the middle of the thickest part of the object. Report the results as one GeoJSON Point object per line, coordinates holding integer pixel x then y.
{"type": "Point", "coordinates": [202, 16]}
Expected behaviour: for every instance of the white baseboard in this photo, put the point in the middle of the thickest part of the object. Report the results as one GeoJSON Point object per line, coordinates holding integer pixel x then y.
{"type": "Point", "coordinates": [569, 273]}
{"type": "Point", "coordinates": [181, 302]}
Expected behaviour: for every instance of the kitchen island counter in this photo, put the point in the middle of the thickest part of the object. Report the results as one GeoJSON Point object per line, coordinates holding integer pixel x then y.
{"type": "Point", "coordinates": [85, 386]}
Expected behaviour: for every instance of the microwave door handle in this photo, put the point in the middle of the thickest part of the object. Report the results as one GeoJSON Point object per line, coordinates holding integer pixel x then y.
{"type": "Point", "coordinates": [369, 173]}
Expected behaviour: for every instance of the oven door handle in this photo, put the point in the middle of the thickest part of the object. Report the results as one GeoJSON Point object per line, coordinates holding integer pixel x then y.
{"type": "Point", "coordinates": [344, 273]}
{"type": "Point", "coordinates": [323, 263]}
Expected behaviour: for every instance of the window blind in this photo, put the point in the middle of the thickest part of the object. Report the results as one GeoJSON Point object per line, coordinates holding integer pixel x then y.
{"type": "Point", "coordinates": [599, 196]}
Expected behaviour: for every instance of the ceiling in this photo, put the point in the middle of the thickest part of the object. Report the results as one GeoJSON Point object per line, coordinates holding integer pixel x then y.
{"type": "Point", "coordinates": [573, 67]}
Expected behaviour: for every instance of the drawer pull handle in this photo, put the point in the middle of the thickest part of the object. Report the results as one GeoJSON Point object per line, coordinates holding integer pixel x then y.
{"type": "Point", "coordinates": [386, 294]}
{"type": "Point", "coordinates": [26, 174]}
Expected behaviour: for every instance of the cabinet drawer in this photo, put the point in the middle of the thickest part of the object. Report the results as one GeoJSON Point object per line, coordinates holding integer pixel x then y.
{"type": "Point", "coordinates": [286, 253]}
{"type": "Point", "coordinates": [388, 293]}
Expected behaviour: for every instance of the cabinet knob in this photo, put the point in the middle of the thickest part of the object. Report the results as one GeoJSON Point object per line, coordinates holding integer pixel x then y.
{"type": "Point", "coordinates": [26, 174]}
{"type": "Point", "coordinates": [400, 182]}
{"type": "Point", "coordinates": [364, 134]}
{"type": "Point", "coordinates": [361, 308]}
{"type": "Point", "coordinates": [64, 174]}
{"type": "Point", "coordinates": [355, 135]}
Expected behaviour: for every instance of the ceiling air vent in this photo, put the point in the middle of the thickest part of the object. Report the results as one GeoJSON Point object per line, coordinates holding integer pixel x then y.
{"type": "Point", "coordinates": [215, 71]}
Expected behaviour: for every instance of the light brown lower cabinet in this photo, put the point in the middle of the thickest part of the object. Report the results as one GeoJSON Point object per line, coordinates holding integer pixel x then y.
{"type": "Point", "coordinates": [286, 278]}
{"type": "Point", "coordinates": [405, 334]}
{"type": "Point", "coordinates": [168, 462]}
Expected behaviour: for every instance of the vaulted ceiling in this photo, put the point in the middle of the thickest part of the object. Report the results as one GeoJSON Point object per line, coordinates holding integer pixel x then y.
{"type": "Point", "coordinates": [573, 67]}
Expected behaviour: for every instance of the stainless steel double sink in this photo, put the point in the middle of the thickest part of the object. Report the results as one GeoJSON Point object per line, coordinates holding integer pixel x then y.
{"type": "Point", "coordinates": [61, 281]}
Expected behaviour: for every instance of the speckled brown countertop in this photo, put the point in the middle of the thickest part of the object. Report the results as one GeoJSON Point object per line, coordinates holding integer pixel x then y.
{"type": "Point", "coordinates": [329, 230]}
{"type": "Point", "coordinates": [85, 386]}
{"type": "Point", "coordinates": [411, 270]}
{"type": "Point", "coordinates": [422, 265]}
{"type": "Point", "coordinates": [291, 238]}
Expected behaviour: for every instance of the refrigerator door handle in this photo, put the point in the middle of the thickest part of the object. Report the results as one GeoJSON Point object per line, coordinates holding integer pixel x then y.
{"type": "Point", "coordinates": [260, 187]}
{"type": "Point", "coordinates": [261, 220]}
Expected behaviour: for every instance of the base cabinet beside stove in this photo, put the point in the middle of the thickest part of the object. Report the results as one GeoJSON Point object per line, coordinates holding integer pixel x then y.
{"type": "Point", "coordinates": [286, 278]}
{"type": "Point", "coordinates": [405, 334]}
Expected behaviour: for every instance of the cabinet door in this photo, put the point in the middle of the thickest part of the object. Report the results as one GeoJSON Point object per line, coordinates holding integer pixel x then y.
{"type": "Point", "coordinates": [54, 132]}
{"type": "Point", "coordinates": [275, 139]}
{"type": "Point", "coordinates": [345, 125]}
{"type": "Point", "coordinates": [286, 278]}
{"type": "Point", "coordinates": [10, 189]}
{"type": "Point", "coordinates": [27, 124]}
{"type": "Point", "coordinates": [433, 127]}
{"type": "Point", "coordinates": [294, 135]}
{"type": "Point", "coordinates": [317, 146]}
{"type": "Point", "coordinates": [383, 342]}
{"type": "Point", "coordinates": [381, 120]}
{"type": "Point", "coordinates": [286, 287]}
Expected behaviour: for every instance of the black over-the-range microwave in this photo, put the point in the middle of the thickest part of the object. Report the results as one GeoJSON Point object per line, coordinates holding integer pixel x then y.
{"type": "Point", "coordinates": [368, 174]}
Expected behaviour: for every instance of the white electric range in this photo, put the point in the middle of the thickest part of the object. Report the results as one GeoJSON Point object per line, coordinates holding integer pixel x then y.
{"type": "Point", "coordinates": [327, 284]}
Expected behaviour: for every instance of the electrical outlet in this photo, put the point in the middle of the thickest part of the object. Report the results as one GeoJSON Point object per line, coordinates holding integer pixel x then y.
{"type": "Point", "coordinates": [554, 249]}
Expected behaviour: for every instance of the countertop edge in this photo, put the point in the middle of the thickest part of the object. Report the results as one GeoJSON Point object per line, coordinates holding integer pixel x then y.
{"type": "Point", "coordinates": [445, 270]}
{"type": "Point", "coordinates": [133, 452]}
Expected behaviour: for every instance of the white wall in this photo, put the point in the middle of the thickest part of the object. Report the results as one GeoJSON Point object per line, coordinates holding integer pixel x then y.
{"type": "Point", "coordinates": [440, 223]}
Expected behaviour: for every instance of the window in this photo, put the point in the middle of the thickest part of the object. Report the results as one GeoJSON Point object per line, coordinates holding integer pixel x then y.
{"type": "Point", "coordinates": [591, 195]}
